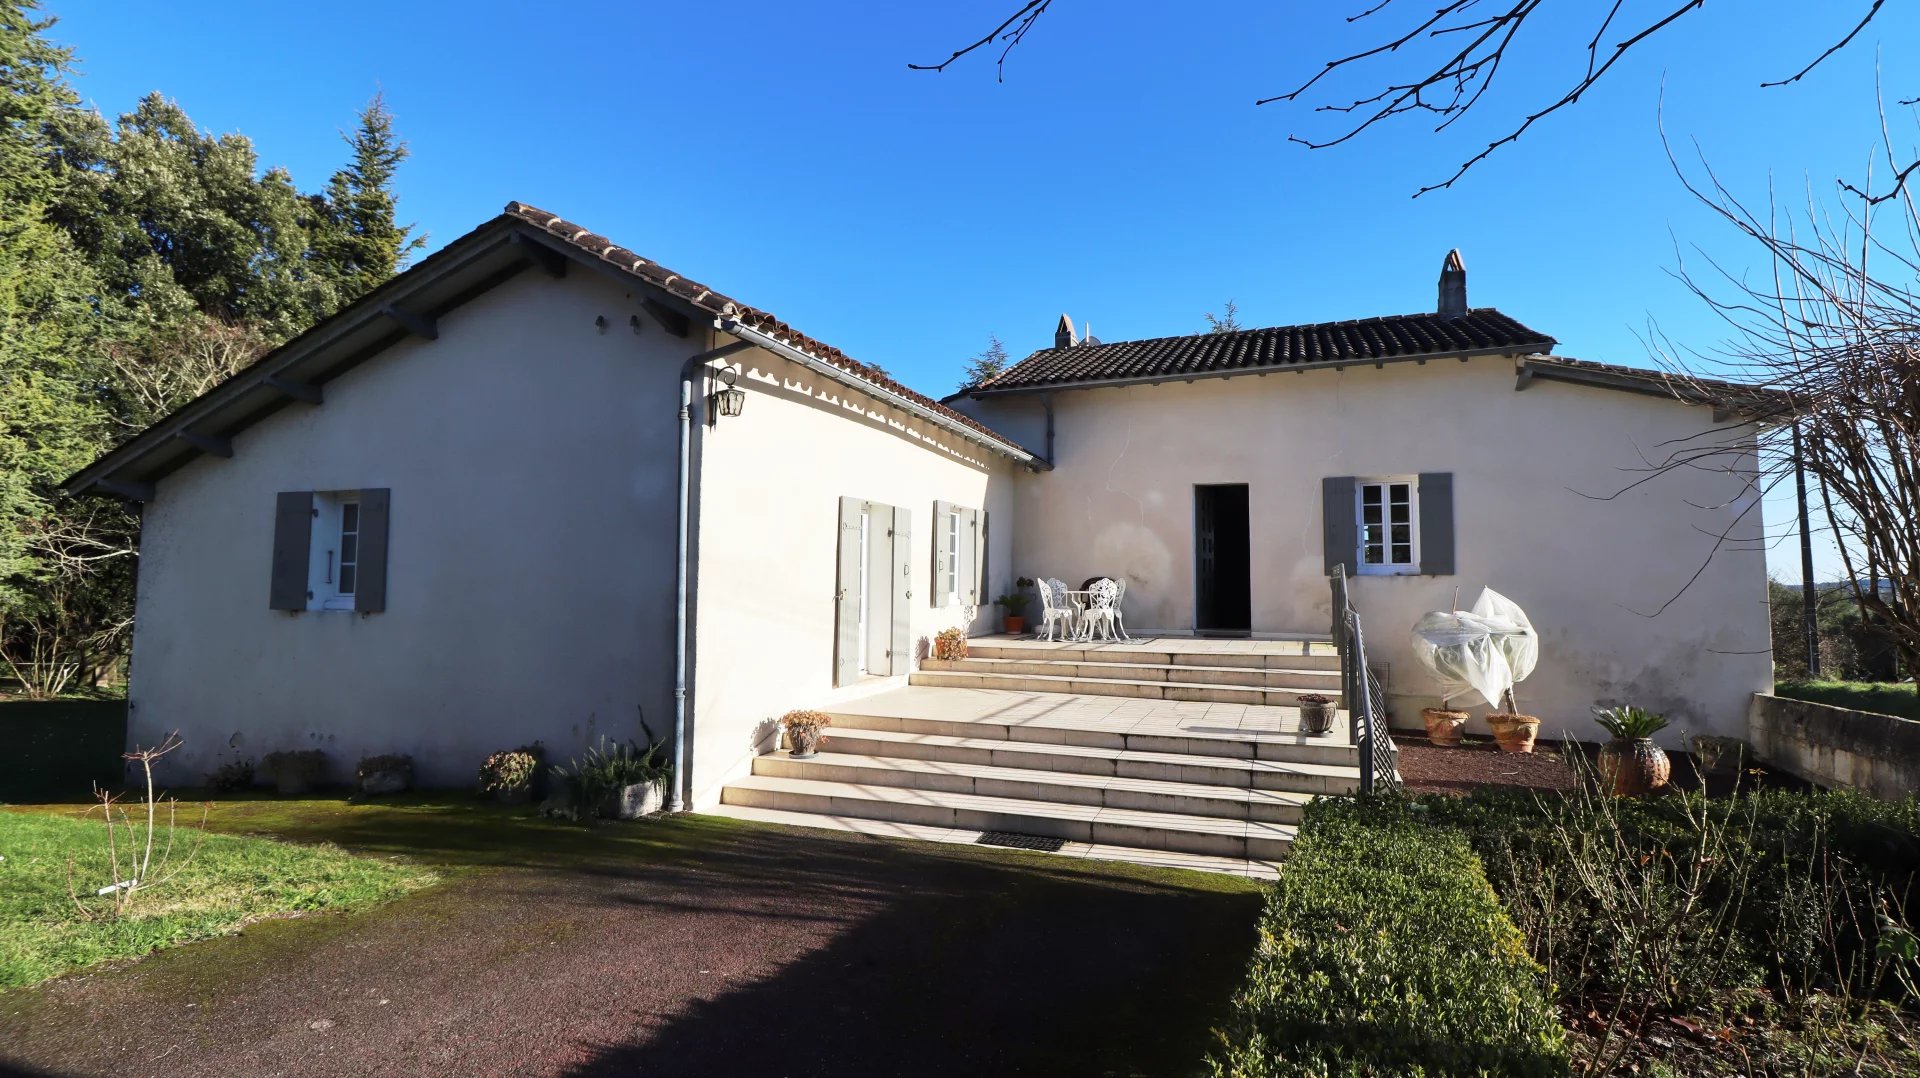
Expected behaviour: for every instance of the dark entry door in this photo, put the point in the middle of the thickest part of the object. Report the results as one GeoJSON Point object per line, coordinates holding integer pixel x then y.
{"type": "Point", "coordinates": [1223, 559]}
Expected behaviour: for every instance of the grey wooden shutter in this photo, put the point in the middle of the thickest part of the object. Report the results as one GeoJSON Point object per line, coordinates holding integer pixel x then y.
{"type": "Point", "coordinates": [943, 567]}
{"type": "Point", "coordinates": [900, 651]}
{"type": "Point", "coordinates": [1340, 539]}
{"type": "Point", "coordinates": [292, 549]}
{"type": "Point", "coordinates": [969, 557]}
{"type": "Point", "coordinates": [1436, 523]}
{"type": "Point", "coordinates": [986, 560]}
{"type": "Point", "coordinates": [846, 600]}
{"type": "Point", "coordinates": [370, 580]}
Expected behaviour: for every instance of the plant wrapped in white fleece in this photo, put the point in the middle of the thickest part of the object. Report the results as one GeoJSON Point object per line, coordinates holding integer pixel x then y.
{"type": "Point", "coordinates": [1487, 649]}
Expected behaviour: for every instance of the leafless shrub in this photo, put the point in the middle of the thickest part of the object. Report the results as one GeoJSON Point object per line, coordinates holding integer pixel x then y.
{"type": "Point", "coordinates": [134, 867]}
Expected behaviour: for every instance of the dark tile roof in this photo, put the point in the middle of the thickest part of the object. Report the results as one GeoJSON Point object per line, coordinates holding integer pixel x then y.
{"type": "Point", "coordinates": [722, 306]}
{"type": "Point", "coordinates": [1764, 402]}
{"type": "Point", "coordinates": [1482, 329]}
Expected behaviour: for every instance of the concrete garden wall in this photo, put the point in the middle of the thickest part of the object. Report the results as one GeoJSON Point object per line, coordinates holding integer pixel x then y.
{"type": "Point", "coordinates": [1837, 746]}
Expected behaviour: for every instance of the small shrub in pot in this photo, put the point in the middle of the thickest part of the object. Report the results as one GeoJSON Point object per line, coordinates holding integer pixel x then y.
{"type": "Point", "coordinates": [390, 773]}
{"type": "Point", "coordinates": [804, 731]}
{"type": "Point", "coordinates": [1014, 619]}
{"type": "Point", "coordinates": [618, 780]}
{"type": "Point", "coordinates": [509, 775]}
{"type": "Point", "coordinates": [1443, 724]}
{"type": "Point", "coordinates": [295, 771]}
{"type": "Point", "coordinates": [1316, 713]}
{"type": "Point", "coordinates": [950, 644]}
{"type": "Point", "coordinates": [1514, 732]}
{"type": "Point", "coordinates": [1631, 764]}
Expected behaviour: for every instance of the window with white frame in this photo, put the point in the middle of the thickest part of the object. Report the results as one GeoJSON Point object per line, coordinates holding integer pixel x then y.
{"type": "Point", "coordinates": [952, 540]}
{"type": "Point", "coordinates": [1387, 519]}
{"type": "Point", "coordinates": [336, 549]}
{"type": "Point", "coordinates": [958, 555]}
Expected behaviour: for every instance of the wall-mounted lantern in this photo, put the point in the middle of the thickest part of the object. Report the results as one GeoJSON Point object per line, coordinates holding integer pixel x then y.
{"type": "Point", "coordinates": [726, 400]}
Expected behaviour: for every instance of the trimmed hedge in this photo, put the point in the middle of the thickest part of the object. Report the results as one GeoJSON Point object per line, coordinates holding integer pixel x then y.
{"type": "Point", "coordinates": [1383, 950]}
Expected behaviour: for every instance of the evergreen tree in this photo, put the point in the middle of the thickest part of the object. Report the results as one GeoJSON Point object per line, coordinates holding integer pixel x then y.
{"type": "Point", "coordinates": [988, 364]}
{"type": "Point", "coordinates": [1226, 323]}
{"type": "Point", "coordinates": [362, 242]}
{"type": "Point", "coordinates": [51, 419]}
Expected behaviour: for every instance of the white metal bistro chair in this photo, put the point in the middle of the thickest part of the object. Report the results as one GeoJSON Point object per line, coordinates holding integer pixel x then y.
{"type": "Point", "coordinates": [1102, 607]}
{"type": "Point", "coordinates": [1055, 608]}
{"type": "Point", "coordinates": [1119, 616]}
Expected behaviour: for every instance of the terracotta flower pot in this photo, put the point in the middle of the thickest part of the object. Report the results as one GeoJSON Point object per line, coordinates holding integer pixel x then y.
{"type": "Point", "coordinates": [1514, 733]}
{"type": "Point", "coordinates": [1443, 724]}
{"type": "Point", "coordinates": [1633, 768]}
{"type": "Point", "coordinates": [1014, 624]}
{"type": "Point", "coordinates": [802, 743]}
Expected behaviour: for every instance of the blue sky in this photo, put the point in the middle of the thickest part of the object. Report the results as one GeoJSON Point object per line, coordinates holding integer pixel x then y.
{"type": "Point", "coordinates": [784, 154]}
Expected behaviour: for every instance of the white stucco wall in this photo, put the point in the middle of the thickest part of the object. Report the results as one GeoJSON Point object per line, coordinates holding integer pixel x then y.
{"type": "Point", "coordinates": [1120, 501]}
{"type": "Point", "coordinates": [771, 481]}
{"type": "Point", "coordinates": [530, 579]}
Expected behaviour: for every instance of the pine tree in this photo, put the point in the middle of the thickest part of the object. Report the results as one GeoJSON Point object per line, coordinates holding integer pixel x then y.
{"type": "Point", "coordinates": [362, 242]}
{"type": "Point", "coordinates": [987, 365]}
{"type": "Point", "coordinates": [1226, 323]}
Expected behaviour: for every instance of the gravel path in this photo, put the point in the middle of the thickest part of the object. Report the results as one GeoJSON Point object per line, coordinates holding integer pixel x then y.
{"type": "Point", "coordinates": [754, 950]}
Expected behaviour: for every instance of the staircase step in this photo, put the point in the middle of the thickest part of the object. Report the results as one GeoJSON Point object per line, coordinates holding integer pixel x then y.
{"type": "Point", "coordinates": [1145, 690]}
{"type": "Point", "coordinates": [1331, 749]}
{"type": "Point", "coordinates": [1298, 679]}
{"type": "Point", "coordinates": [1075, 823]}
{"type": "Point", "coordinates": [1287, 655]}
{"type": "Point", "coordinates": [1234, 866]}
{"type": "Point", "coordinates": [1333, 776]}
{"type": "Point", "coordinates": [1146, 795]}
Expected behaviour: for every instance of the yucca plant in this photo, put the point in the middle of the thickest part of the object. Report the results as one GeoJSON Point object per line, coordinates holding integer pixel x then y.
{"type": "Point", "coordinates": [1629, 723]}
{"type": "Point", "coordinates": [1631, 764]}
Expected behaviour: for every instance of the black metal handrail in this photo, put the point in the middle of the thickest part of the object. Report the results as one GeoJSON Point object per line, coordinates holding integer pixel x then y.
{"type": "Point", "coordinates": [1367, 726]}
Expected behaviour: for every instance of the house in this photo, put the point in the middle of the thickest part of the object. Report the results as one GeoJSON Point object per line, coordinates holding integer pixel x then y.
{"type": "Point", "coordinates": [538, 487]}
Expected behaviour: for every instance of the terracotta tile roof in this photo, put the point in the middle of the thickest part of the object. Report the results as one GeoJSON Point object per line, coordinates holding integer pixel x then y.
{"type": "Point", "coordinates": [723, 306]}
{"type": "Point", "coordinates": [1482, 329]}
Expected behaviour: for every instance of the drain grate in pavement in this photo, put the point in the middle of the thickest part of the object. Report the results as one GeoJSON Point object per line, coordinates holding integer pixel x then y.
{"type": "Point", "coordinates": [1017, 841]}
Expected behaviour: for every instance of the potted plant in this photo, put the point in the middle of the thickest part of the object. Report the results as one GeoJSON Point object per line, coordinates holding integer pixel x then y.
{"type": "Point", "coordinates": [508, 775]}
{"type": "Point", "coordinates": [620, 781]}
{"type": "Point", "coordinates": [1014, 620]}
{"type": "Point", "coordinates": [950, 644]}
{"type": "Point", "coordinates": [1631, 764]}
{"type": "Point", "coordinates": [1443, 722]}
{"type": "Point", "coordinates": [295, 772]}
{"type": "Point", "coordinates": [803, 732]}
{"type": "Point", "coordinates": [391, 773]}
{"type": "Point", "coordinates": [1512, 731]}
{"type": "Point", "coordinates": [1316, 713]}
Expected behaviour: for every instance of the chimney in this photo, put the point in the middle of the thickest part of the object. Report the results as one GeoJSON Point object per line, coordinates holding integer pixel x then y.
{"type": "Point", "coordinates": [1453, 285]}
{"type": "Point", "coordinates": [1063, 333]}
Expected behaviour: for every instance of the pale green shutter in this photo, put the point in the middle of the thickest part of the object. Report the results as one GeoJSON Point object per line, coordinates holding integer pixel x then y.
{"type": "Point", "coordinates": [846, 600]}
{"type": "Point", "coordinates": [900, 651]}
{"type": "Point", "coordinates": [1436, 523]}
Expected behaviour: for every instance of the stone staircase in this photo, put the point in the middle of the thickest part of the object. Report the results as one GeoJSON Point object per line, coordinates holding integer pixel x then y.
{"type": "Point", "coordinates": [1172, 752]}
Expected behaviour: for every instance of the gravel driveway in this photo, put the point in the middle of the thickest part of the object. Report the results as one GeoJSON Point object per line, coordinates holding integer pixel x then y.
{"type": "Point", "coordinates": [687, 947]}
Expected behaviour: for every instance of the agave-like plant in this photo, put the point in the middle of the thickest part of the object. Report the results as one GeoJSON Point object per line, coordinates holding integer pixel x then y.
{"type": "Point", "coordinates": [1629, 723]}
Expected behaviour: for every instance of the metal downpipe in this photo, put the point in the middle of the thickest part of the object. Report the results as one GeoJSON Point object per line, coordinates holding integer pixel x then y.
{"type": "Point", "coordinates": [676, 797]}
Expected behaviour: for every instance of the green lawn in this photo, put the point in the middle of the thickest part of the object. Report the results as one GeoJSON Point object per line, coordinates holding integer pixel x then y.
{"type": "Point", "coordinates": [224, 883]}
{"type": "Point", "coordinates": [1879, 697]}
